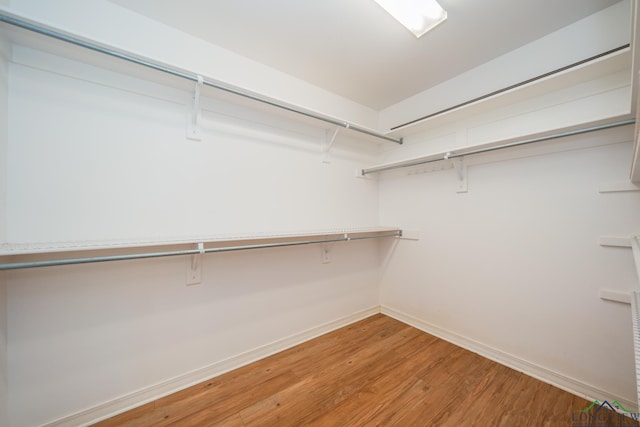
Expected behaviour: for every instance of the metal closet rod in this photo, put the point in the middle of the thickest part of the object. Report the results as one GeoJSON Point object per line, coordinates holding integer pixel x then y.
{"type": "Point", "coordinates": [451, 155]}
{"type": "Point", "coordinates": [31, 26]}
{"type": "Point", "coordinates": [514, 86]}
{"type": "Point", "coordinates": [124, 257]}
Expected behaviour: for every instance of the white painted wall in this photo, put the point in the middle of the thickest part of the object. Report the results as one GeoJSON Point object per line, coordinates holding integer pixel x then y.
{"type": "Point", "coordinates": [108, 23]}
{"type": "Point", "coordinates": [4, 363]}
{"type": "Point", "coordinates": [4, 132]}
{"type": "Point", "coordinates": [4, 55]}
{"type": "Point", "coordinates": [84, 335]}
{"type": "Point", "coordinates": [96, 155]}
{"type": "Point", "coordinates": [590, 36]}
{"type": "Point", "coordinates": [513, 267]}
{"type": "Point", "coordinates": [550, 106]}
{"type": "Point", "coordinates": [108, 159]}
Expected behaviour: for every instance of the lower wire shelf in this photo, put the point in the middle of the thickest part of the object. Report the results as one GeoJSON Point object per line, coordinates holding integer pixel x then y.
{"type": "Point", "coordinates": [13, 257]}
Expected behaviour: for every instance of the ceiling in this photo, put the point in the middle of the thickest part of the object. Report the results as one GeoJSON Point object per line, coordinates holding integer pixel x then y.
{"type": "Point", "coordinates": [354, 49]}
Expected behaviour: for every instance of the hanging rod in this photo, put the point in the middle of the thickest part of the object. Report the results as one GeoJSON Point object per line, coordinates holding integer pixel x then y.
{"type": "Point", "coordinates": [514, 86]}
{"type": "Point", "coordinates": [452, 155]}
{"type": "Point", "coordinates": [50, 32]}
{"type": "Point", "coordinates": [124, 257]}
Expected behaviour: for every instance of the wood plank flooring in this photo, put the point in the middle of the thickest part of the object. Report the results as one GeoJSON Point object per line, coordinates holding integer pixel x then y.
{"type": "Point", "coordinates": [376, 372]}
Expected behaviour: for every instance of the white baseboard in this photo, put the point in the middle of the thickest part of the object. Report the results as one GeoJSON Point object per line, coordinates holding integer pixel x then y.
{"type": "Point", "coordinates": [541, 373]}
{"type": "Point", "coordinates": [151, 393]}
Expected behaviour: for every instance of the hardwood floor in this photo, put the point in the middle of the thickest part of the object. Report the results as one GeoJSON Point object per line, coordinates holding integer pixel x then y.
{"type": "Point", "coordinates": [376, 372]}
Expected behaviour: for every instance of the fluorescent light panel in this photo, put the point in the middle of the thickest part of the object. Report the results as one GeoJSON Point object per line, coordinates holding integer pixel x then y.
{"type": "Point", "coordinates": [418, 16]}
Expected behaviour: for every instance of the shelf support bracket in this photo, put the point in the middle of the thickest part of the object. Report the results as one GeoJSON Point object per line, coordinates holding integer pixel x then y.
{"type": "Point", "coordinates": [461, 171]}
{"type": "Point", "coordinates": [194, 266]}
{"type": "Point", "coordinates": [193, 127]}
{"type": "Point", "coordinates": [328, 143]}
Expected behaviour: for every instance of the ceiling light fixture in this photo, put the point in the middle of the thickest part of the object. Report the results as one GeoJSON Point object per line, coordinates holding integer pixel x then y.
{"type": "Point", "coordinates": [418, 16]}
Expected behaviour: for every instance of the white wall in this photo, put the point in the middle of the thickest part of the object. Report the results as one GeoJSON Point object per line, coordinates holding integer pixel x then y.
{"type": "Point", "coordinates": [84, 335]}
{"type": "Point", "coordinates": [593, 35]}
{"type": "Point", "coordinates": [4, 55]}
{"type": "Point", "coordinates": [596, 94]}
{"type": "Point", "coordinates": [4, 363]}
{"type": "Point", "coordinates": [4, 129]}
{"type": "Point", "coordinates": [513, 267]}
{"type": "Point", "coordinates": [108, 23]}
{"type": "Point", "coordinates": [96, 155]}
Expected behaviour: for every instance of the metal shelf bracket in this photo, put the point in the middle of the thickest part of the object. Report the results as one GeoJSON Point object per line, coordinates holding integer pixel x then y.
{"type": "Point", "coordinates": [327, 144]}
{"type": "Point", "coordinates": [193, 127]}
{"type": "Point", "coordinates": [194, 266]}
{"type": "Point", "coordinates": [461, 171]}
